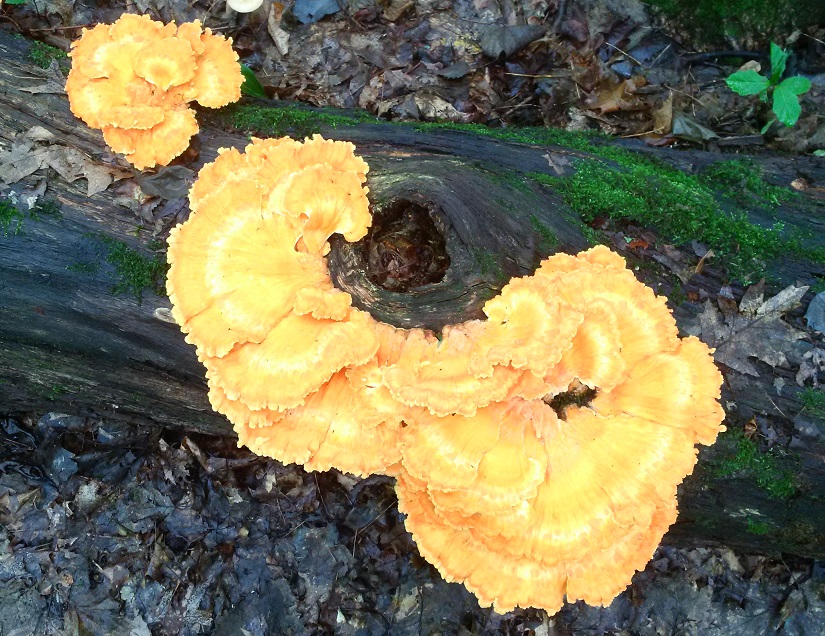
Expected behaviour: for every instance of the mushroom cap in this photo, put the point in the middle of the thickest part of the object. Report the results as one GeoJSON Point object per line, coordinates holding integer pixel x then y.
{"type": "Point", "coordinates": [677, 389]}
{"type": "Point", "coordinates": [437, 374]}
{"type": "Point", "coordinates": [244, 6]}
{"type": "Point", "coordinates": [218, 77]}
{"type": "Point", "coordinates": [297, 356]}
{"type": "Point", "coordinates": [133, 78]}
{"type": "Point", "coordinates": [524, 506]}
{"type": "Point", "coordinates": [586, 521]}
{"type": "Point", "coordinates": [350, 423]}
{"type": "Point", "coordinates": [506, 581]}
{"type": "Point", "coordinates": [525, 327]}
{"type": "Point", "coordinates": [157, 145]}
{"type": "Point", "coordinates": [233, 277]}
{"type": "Point", "coordinates": [325, 201]}
{"type": "Point", "coordinates": [166, 63]}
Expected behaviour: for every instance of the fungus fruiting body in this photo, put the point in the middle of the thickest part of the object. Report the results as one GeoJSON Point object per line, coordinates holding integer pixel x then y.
{"type": "Point", "coordinates": [134, 79]}
{"type": "Point", "coordinates": [524, 501]}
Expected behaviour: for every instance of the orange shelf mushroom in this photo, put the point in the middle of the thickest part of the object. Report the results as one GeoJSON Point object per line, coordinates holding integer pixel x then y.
{"type": "Point", "coordinates": [525, 503]}
{"type": "Point", "coordinates": [134, 78]}
{"type": "Point", "coordinates": [289, 361]}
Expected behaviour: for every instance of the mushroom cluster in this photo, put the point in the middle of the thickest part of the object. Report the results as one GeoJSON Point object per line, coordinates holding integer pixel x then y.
{"type": "Point", "coordinates": [134, 79]}
{"type": "Point", "coordinates": [537, 452]}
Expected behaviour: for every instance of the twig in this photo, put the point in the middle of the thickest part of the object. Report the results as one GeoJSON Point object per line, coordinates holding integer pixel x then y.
{"type": "Point", "coordinates": [641, 134]}
{"type": "Point", "coordinates": [664, 50]}
{"type": "Point", "coordinates": [538, 76]}
{"type": "Point", "coordinates": [813, 38]}
{"type": "Point", "coordinates": [613, 46]}
{"type": "Point", "coordinates": [676, 90]}
{"type": "Point", "coordinates": [707, 57]}
{"type": "Point", "coordinates": [64, 28]}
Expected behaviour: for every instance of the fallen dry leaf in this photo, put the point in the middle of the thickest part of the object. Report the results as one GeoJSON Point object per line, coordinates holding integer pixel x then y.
{"type": "Point", "coordinates": [27, 156]}
{"type": "Point", "coordinates": [273, 26]}
{"type": "Point", "coordinates": [762, 334]}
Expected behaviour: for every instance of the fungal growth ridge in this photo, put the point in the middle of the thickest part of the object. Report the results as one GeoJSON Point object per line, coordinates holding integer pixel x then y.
{"type": "Point", "coordinates": [525, 497]}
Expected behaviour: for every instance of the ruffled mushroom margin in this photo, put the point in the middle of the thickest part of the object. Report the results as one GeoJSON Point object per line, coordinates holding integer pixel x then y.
{"type": "Point", "coordinates": [134, 79]}
{"type": "Point", "coordinates": [524, 507]}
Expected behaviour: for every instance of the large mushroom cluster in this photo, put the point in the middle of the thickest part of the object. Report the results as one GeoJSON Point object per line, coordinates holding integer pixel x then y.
{"type": "Point", "coordinates": [523, 500]}
{"type": "Point", "coordinates": [134, 79]}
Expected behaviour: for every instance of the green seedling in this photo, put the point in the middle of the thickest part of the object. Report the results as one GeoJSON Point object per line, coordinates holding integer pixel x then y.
{"type": "Point", "coordinates": [785, 93]}
{"type": "Point", "coordinates": [251, 86]}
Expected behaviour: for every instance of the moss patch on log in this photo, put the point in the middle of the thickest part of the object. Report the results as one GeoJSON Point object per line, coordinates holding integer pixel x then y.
{"type": "Point", "coordinates": [289, 120]}
{"type": "Point", "coordinates": [684, 207]}
{"type": "Point", "coordinates": [134, 272]}
{"type": "Point", "coordinates": [741, 457]}
{"type": "Point", "coordinates": [12, 215]}
{"type": "Point", "coordinates": [42, 54]}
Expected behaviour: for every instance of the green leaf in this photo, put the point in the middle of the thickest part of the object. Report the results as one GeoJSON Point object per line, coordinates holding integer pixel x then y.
{"type": "Point", "coordinates": [766, 126]}
{"type": "Point", "coordinates": [797, 85]}
{"type": "Point", "coordinates": [786, 105]}
{"type": "Point", "coordinates": [747, 82]}
{"type": "Point", "coordinates": [778, 60]}
{"type": "Point", "coordinates": [819, 153]}
{"type": "Point", "coordinates": [13, 2]}
{"type": "Point", "coordinates": [251, 85]}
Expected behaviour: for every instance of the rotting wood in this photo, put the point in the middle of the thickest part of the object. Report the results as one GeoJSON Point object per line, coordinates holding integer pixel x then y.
{"type": "Point", "coordinates": [67, 343]}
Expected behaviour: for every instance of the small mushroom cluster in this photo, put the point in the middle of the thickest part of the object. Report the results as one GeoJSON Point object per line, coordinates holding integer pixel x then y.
{"type": "Point", "coordinates": [524, 501]}
{"type": "Point", "coordinates": [134, 79]}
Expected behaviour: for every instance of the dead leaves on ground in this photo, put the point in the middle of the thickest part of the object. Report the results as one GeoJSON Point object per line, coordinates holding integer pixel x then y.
{"type": "Point", "coordinates": [38, 149]}
{"type": "Point", "coordinates": [753, 329]}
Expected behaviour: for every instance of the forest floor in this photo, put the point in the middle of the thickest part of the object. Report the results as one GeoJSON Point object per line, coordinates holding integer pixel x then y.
{"type": "Point", "coordinates": [109, 528]}
{"type": "Point", "coordinates": [116, 529]}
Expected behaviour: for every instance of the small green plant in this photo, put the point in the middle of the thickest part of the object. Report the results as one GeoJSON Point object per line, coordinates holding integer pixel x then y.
{"type": "Point", "coordinates": [251, 86]}
{"type": "Point", "coordinates": [785, 93]}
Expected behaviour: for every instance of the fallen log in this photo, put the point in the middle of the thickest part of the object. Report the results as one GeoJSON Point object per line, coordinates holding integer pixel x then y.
{"type": "Point", "coordinates": [84, 321]}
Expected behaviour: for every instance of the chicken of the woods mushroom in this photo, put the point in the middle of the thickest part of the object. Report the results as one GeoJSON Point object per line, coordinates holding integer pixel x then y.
{"type": "Point", "coordinates": [537, 452]}
{"type": "Point", "coordinates": [134, 79]}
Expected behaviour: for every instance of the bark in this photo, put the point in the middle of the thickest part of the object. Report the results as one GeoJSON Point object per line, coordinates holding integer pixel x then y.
{"type": "Point", "coordinates": [69, 342]}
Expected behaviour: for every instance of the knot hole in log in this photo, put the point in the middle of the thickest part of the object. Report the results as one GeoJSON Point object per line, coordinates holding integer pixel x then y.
{"type": "Point", "coordinates": [404, 249]}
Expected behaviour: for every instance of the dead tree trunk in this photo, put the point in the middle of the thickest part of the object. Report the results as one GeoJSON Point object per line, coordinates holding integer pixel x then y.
{"type": "Point", "coordinates": [83, 329]}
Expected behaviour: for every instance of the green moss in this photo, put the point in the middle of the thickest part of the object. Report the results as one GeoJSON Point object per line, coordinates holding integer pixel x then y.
{"type": "Point", "coordinates": [741, 179]}
{"type": "Point", "coordinates": [45, 208]}
{"type": "Point", "coordinates": [680, 206]}
{"type": "Point", "coordinates": [56, 391]}
{"type": "Point", "coordinates": [134, 272]}
{"type": "Point", "coordinates": [743, 458]}
{"type": "Point", "coordinates": [714, 22]}
{"type": "Point", "coordinates": [289, 120]}
{"type": "Point", "coordinates": [813, 400]}
{"type": "Point", "coordinates": [548, 239]}
{"type": "Point", "coordinates": [527, 135]}
{"type": "Point", "coordinates": [84, 267]}
{"type": "Point", "coordinates": [488, 264]}
{"type": "Point", "coordinates": [42, 54]}
{"type": "Point", "coordinates": [11, 219]}
{"type": "Point", "coordinates": [757, 527]}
